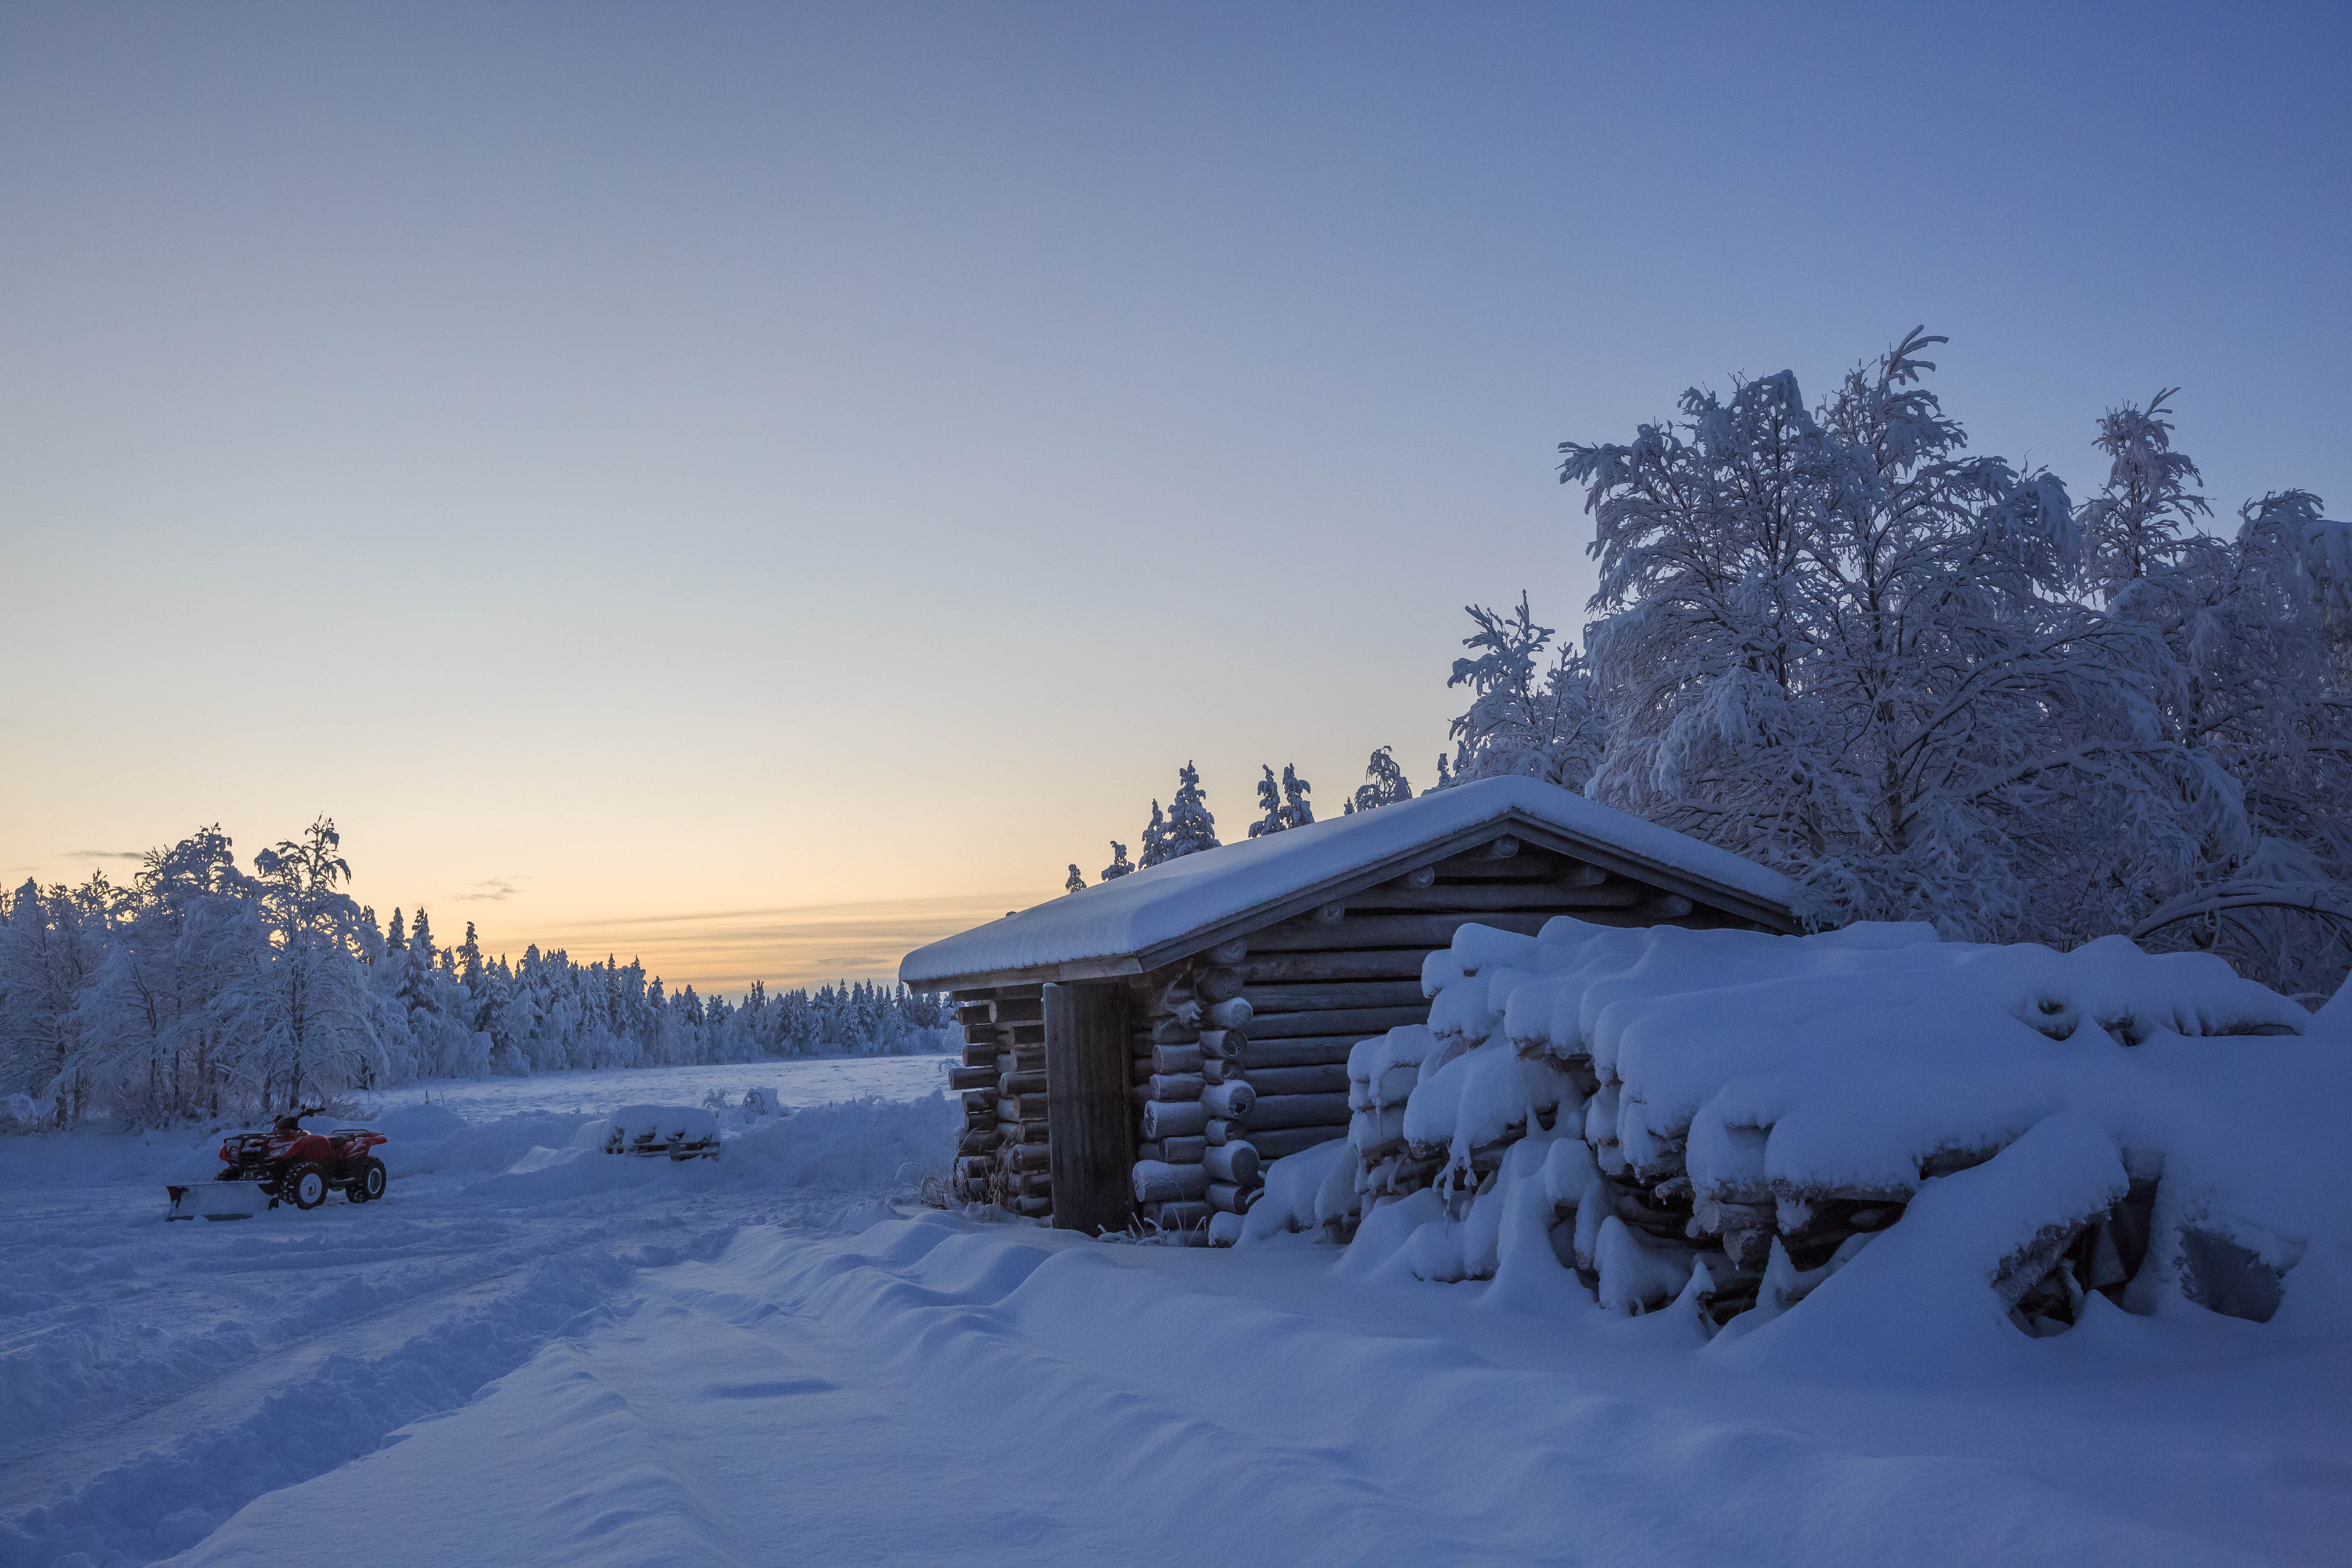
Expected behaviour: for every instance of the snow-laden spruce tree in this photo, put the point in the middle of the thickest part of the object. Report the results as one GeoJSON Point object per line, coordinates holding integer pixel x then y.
{"type": "Point", "coordinates": [1119, 864]}
{"type": "Point", "coordinates": [1282, 803]}
{"type": "Point", "coordinates": [1385, 784]}
{"type": "Point", "coordinates": [1155, 840]}
{"type": "Point", "coordinates": [1191, 828]}
{"type": "Point", "coordinates": [1297, 810]}
{"type": "Point", "coordinates": [1077, 883]}
{"type": "Point", "coordinates": [1834, 641]}
{"type": "Point", "coordinates": [1528, 716]}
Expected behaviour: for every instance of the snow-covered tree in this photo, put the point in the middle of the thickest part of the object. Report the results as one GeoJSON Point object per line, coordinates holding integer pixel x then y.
{"type": "Point", "coordinates": [1282, 803]}
{"type": "Point", "coordinates": [1528, 718]}
{"type": "Point", "coordinates": [1077, 884]}
{"type": "Point", "coordinates": [2136, 524]}
{"type": "Point", "coordinates": [2250, 681]}
{"type": "Point", "coordinates": [1837, 643]}
{"type": "Point", "coordinates": [1119, 865]}
{"type": "Point", "coordinates": [1155, 840]}
{"type": "Point", "coordinates": [1191, 828]}
{"type": "Point", "coordinates": [1296, 806]}
{"type": "Point", "coordinates": [1386, 785]}
{"type": "Point", "coordinates": [150, 1033]}
{"type": "Point", "coordinates": [1922, 682]}
{"type": "Point", "coordinates": [310, 1024]}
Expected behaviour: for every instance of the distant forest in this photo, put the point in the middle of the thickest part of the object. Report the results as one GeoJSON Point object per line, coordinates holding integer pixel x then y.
{"type": "Point", "coordinates": [203, 990]}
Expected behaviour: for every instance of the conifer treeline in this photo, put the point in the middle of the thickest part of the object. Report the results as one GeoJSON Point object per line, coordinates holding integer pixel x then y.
{"type": "Point", "coordinates": [202, 990]}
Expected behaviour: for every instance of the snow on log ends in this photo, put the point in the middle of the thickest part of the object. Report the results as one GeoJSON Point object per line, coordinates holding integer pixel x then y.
{"type": "Point", "coordinates": [1717, 1122]}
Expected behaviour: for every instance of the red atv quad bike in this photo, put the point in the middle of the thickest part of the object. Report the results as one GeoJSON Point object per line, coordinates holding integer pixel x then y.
{"type": "Point", "coordinates": [300, 1167]}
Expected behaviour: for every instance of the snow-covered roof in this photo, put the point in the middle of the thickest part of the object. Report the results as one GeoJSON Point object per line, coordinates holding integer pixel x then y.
{"type": "Point", "coordinates": [1139, 921]}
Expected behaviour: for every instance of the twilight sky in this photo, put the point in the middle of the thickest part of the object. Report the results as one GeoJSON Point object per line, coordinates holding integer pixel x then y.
{"type": "Point", "coordinates": [759, 487]}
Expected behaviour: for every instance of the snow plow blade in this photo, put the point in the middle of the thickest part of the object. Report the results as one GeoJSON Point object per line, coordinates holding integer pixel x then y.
{"type": "Point", "coordinates": [217, 1200]}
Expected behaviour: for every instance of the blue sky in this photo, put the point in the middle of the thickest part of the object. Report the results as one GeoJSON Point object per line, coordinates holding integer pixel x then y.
{"type": "Point", "coordinates": [677, 465]}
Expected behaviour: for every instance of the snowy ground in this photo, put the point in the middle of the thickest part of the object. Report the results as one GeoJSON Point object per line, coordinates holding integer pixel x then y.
{"type": "Point", "coordinates": [818, 1081]}
{"type": "Point", "coordinates": [529, 1355]}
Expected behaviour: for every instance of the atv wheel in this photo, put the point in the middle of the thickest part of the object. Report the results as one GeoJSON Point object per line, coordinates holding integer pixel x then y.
{"type": "Point", "coordinates": [306, 1185]}
{"type": "Point", "coordinates": [367, 1182]}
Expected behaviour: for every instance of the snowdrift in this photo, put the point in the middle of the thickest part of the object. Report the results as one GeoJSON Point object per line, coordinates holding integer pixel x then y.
{"type": "Point", "coordinates": [1719, 1121]}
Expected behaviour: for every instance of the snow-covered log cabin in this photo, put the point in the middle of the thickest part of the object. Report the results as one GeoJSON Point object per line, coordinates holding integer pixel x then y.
{"type": "Point", "coordinates": [1138, 1049]}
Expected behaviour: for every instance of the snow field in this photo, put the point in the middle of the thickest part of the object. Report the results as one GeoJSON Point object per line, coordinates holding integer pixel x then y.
{"type": "Point", "coordinates": [533, 1353]}
{"type": "Point", "coordinates": [156, 1377]}
{"type": "Point", "coordinates": [804, 1080]}
{"type": "Point", "coordinates": [1065, 1401]}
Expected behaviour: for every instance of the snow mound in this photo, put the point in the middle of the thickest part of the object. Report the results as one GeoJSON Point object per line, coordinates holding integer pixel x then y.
{"type": "Point", "coordinates": [858, 1144]}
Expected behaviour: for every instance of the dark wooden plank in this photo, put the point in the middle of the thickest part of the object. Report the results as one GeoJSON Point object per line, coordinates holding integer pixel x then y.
{"type": "Point", "coordinates": [1280, 1111]}
{"type": "Point", "coordinates": [1424, 931]}
{"type": "Point", "coordinates": [1092, 1139]}
{"type": "Point", "coordinates": [1312, 1051]}
{"type": "Point", "coordinates": [1368, 963]}
{"type": "Point", "coordinates": [1271, 1001]}
{"type": "Point", "coordinates": [1526, 866]}
{"type": "Point", "coordinates": [1452, 897]}
{"type": "Point", "coordinates": [1330, 1078]}
{"type": "Point", "coordinates": [1369, 1020]}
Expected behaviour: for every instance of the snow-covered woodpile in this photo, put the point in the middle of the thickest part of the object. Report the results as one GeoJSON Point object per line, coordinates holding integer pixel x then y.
{"type": "Point", "coordinates": [1222, 992]}
{"type": "Point", "coordinates": [1722, 1120]}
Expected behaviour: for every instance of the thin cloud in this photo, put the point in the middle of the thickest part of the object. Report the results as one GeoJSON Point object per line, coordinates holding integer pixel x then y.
{"type": "Point", "coordinates": [804, 944]}
{"type": "Point", "coordinates": [106, 855]}
{"type": "Point", "coordinates": [492, 890]}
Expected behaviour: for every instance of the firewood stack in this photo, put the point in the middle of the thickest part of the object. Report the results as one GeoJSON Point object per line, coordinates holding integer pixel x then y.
{"type": "Point", "coordinates": [1752, 1235]}
{"type": "Point", "coordinates": [1003, 1156]}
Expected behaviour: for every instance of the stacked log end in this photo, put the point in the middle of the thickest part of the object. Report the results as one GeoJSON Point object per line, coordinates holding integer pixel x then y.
{"type": "Point", "coordinates": [1002, 1157]}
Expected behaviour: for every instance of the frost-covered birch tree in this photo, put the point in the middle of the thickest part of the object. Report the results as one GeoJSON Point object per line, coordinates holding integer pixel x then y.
{"type": "Point", "coordinates": [1835, 641]}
